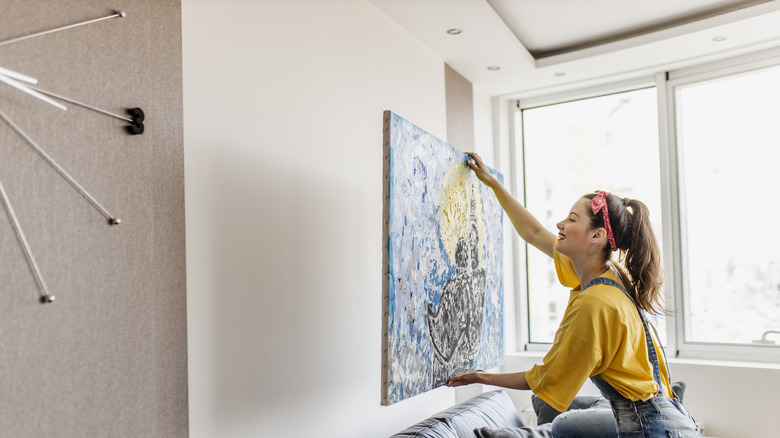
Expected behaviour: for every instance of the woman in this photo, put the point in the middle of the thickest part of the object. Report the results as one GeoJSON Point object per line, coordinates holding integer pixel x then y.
{"type": "Point", "coordinates": [604, 335]}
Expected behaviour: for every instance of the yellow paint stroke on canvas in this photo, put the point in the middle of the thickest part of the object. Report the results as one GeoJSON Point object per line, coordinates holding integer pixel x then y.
{"type": "Point", "coordinates": [459, 188]}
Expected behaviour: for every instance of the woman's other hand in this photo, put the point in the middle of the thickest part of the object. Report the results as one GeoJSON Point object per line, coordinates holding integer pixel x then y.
{"type": "Point", "coordinates": [481, 170]}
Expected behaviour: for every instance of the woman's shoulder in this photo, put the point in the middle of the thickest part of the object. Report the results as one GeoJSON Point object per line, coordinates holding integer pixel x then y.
{"type": "Point", "coordinates": [605, 297]}
{"type": "Point", "coordinates": [598, 307]}
{"type": "Point", "coordinates": [616, 282]}
{"type": "Point", "coordinates": [602, 292]}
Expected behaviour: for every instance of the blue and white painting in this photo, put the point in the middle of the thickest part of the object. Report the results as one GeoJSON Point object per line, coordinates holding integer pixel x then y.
{"type": "Point", "coordinates": [444, 291]}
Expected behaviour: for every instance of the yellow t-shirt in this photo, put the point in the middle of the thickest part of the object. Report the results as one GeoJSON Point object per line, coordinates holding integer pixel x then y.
{"type": "Point", "coordinates": [601, 334]}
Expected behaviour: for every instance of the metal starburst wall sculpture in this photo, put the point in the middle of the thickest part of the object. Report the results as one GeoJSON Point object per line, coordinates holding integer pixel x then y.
{"type": "Point", "coordinates": [27, 84]}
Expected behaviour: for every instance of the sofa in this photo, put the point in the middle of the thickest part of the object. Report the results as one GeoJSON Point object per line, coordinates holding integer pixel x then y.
{"type": "Point", "coordinates": [493, 415]}
{"type": "Point", "coordinates": [477, 417]}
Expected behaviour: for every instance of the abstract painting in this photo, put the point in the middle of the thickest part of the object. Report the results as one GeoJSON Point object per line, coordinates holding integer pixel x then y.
{"type": "Point", "coordinates": [443, 288]}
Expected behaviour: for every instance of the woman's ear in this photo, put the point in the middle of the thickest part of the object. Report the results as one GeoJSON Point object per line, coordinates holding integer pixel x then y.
{"type": "Point", "coordinates": [599, 235]}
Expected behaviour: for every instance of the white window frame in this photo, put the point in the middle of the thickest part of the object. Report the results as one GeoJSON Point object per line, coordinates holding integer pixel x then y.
{"type": "Point", "coordinates": [520, 248]}
{"type": "Point", "coordinates": [674, 247]}
{"type": "Point", "coordinates": [675, 250]}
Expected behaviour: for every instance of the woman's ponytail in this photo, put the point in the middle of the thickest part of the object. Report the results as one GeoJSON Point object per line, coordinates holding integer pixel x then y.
{"type": "Point", "coordinates": [642, 260]}
{"type": "Point", "coordinates": [638, 249]}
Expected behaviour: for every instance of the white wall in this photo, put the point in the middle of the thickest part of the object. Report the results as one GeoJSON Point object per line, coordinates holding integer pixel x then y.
{"type": "Point", "coordinates": [283, 163]}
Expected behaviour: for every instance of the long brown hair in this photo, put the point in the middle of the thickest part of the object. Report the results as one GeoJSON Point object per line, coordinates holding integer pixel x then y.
{"type": "Point", "coordinates": [638, 249]}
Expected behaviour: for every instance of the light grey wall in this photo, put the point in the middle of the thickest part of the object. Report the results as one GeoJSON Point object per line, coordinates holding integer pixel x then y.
{"type": "Point", "coordinates": [108, 357]}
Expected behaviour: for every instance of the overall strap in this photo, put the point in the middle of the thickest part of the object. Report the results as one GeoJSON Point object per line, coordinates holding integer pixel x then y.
{"type": "Point", "coordinates": [648, 339]}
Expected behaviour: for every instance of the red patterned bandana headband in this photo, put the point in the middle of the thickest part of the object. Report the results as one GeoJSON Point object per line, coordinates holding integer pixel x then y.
{"type": "Point", "coordinates": [599, 202]}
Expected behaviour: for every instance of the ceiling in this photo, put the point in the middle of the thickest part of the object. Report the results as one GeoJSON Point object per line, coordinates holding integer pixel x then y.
{"type": "Point", "coordinates": [545, 45]}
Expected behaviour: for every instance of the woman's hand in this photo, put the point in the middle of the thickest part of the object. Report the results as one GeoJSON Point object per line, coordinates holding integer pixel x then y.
{"type": "Point", "coordinates": [527, 226]}
{"type": "Point", "coordinates": [468, 378]}
{"type": "Point", "coordinates": [481, 170]}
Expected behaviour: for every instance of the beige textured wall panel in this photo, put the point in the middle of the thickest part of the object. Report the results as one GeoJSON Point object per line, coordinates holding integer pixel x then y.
{"type": "Point", "coordinates": [109, 357]}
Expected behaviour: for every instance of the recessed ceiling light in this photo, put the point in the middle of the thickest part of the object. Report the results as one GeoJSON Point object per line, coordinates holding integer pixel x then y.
{"type": "Point", "coordinates": [454, 31]}
{"type": "Point", "coordinates": [560, 73]}
{"type": "Point", "coordinates": [494, 68]}
{"type": "Point", "coordinates": [719, 38]}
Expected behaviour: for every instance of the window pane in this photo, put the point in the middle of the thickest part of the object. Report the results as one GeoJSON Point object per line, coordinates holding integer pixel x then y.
{"type": "Point", "coordinates": [573, 148]}
{"type": "Point", "coordinates": [729, 140]}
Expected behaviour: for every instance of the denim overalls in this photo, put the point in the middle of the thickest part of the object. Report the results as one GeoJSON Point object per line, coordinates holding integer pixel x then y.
{"type": "Point", "coordinates": [660, 416]}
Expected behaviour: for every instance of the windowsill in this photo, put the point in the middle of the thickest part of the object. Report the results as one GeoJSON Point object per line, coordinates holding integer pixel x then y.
{"type": "Point", "coordinates": [538, 355]}
{"type": "Point", "coordinates": [725, 363]}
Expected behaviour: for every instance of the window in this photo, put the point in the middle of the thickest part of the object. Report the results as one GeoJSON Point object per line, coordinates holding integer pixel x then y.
{"type": "Point", "coordinates": [573, 148]}
{"type": "Point", "coordinates": [708, 174]}
{"type": "Point", "coordinates": [728, 142]}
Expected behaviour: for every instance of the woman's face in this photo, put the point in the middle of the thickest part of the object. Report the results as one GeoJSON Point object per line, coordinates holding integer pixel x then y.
{"type": "Point", "coordinates": [574, 232]}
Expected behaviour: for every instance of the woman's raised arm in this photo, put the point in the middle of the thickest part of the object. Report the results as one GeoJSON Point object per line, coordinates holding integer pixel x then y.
{"type": "Point", "coordinates": [527, 226]}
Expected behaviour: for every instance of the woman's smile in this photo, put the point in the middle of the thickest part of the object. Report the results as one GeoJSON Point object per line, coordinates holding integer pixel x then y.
{"type": "Point", "coordinates": [574, 229]}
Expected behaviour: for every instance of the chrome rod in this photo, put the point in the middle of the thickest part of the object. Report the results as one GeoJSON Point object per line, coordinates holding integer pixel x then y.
{"type": "Point", "coordinates": [25, 245]}
{"type": "Point", "coordinates": [112, 220]}
{"type": "Point", "coordinates": [29, 90]}
{"type": "Point", "coordinates": [119, 14]}
{"type": "Point", "coordinates": [83, 105]}
{"type": "Point", "coordinates": [18, 76]}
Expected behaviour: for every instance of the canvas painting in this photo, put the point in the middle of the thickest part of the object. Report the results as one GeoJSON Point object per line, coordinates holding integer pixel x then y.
{"type": "Point", "coordinates": [443, 288]}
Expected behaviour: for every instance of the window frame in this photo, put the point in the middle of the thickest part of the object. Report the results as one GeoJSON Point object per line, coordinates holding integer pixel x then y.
{"type": "Point", "coordinates": [673, 214]}
{"type": "Point", "coordinates": [677, 262]}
